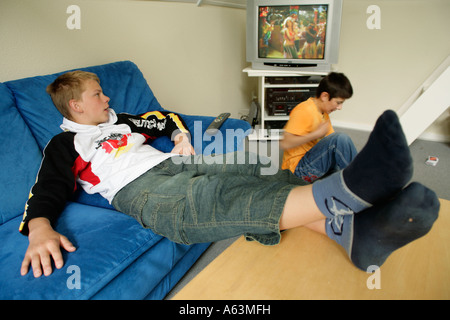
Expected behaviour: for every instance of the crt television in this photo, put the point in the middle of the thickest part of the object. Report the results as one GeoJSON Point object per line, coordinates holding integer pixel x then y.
{"type": "Point", "coordinates": [297, 35]}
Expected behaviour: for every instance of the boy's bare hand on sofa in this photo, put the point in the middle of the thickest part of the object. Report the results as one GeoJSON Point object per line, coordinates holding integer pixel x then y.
{"type": "Point", "coordinates": [45, 243]}
{"type": "Point", "coordinates": [183, 145]}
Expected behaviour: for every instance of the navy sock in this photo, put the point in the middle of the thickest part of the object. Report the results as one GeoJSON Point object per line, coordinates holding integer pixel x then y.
{"type": "Point", "coordinates": [384, 228]}
{"type": "Point", "coordinates": [384, 166]}
{"type": "Point", "coordinates": [379, 171]}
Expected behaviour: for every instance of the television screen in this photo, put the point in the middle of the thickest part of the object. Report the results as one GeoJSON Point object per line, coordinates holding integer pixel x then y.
{"type": "Point", "coordinates": [292, 31]}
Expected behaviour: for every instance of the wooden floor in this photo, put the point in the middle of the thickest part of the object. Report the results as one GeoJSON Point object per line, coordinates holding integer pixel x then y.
{"type": "Point", "coordinates": [307, 265]}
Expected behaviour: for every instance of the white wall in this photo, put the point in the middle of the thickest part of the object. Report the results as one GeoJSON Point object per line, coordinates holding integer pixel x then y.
{"type": "Point", "coordinates": [193, 56]}
{"type": "Point", "coordinates": [387, 65]}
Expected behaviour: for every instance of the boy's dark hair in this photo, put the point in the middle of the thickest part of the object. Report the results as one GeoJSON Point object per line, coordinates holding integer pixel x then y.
{"type": "Point", "coordinates": [336, 85]}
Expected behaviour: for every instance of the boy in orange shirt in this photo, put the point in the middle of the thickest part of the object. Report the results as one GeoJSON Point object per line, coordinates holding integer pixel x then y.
{"type": "Point", "coordinates": [311, 147]}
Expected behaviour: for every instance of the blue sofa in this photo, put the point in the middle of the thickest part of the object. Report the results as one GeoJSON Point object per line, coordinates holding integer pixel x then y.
{"type": "Point", "coordinates": [115, 258]}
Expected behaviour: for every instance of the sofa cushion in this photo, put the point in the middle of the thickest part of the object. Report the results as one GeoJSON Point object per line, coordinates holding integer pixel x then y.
{"type": "Point", "coordinates": [169, 261]}
{"type": "Point", "coordinates": [122, 81]}
{"type": "Point", "coordinates": [20, 158]}
{"type": "Point", "coordinates": [107, 243]}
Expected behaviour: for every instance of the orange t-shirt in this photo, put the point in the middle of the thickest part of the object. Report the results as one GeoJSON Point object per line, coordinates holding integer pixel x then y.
{"type": "Point", "coordinates": [303, 119]}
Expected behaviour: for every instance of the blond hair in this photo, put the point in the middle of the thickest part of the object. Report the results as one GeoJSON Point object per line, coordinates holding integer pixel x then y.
{"type": "Point", "coordinates": [69, 86]}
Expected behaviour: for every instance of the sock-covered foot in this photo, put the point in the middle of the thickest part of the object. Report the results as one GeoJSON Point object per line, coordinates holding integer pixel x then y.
{"type": "Point", "coordinates": [384, 166]}
{"type": "Point", "coordinates": [384, 228]}
{"type": "Point", "coordinates": [381, 169]}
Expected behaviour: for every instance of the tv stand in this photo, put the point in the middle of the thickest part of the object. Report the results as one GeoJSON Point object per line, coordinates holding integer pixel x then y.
{"type": "Point", "coordinates": [278, 93]}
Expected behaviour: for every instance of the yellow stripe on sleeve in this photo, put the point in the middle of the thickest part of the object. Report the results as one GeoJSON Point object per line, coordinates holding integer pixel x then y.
{"type": "Point", "coordinates": [175, 118]}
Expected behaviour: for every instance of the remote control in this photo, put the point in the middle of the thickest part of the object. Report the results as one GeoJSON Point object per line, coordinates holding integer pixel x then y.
{"type": "Point", "coordinates": [217, 123]}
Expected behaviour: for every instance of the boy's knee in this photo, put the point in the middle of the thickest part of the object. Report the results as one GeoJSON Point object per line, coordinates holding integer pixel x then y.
{"type": "Point", "coordinates": [343, 137]}
{"type": "Point", "coordinates": [342, 140]}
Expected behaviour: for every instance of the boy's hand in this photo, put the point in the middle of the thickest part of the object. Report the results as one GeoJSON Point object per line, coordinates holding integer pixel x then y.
{"type": "Point", "coordinates": [44, 243]}
{"type": "Point", "coordinates": [322, 129]}
{"type": "Point", "coordinates": [185, 149]}
{"type": "Point", "coordinates": [182, 145]}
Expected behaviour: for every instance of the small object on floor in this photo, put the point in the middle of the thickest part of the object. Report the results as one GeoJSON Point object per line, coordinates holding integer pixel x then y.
{"type": "Point", "coordinates": [432, 161]}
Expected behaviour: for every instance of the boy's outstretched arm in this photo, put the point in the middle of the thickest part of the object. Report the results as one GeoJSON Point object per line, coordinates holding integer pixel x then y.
{"type": "Point", "coordinates": [44, 244]}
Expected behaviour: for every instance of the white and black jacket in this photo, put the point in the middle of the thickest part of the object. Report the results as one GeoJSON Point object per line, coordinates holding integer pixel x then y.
{"type": "Point", "coordinates": [102, 159]}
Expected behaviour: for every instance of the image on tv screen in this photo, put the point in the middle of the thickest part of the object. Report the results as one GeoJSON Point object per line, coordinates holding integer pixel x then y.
{"type": "Point", "coordinates": [292, 32]}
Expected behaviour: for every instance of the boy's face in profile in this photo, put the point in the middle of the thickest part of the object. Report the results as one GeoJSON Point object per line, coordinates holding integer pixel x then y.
{"type": "Point", "coordinates": [92, 109]}
{"type": "Point", "coordinates": [333, 105]}
{"type": "Point", "coordinates": [330, 105]}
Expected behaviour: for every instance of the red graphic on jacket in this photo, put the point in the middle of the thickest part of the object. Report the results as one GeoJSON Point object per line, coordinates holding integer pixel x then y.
{"type": "Point", "coordinates": [114, 142]}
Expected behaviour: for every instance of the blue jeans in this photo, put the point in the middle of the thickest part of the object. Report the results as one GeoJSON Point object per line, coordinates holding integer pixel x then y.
{"type": "Point", "coordinates": [209, 198]}
{"type": "Point", "coordinates": [330, 154]}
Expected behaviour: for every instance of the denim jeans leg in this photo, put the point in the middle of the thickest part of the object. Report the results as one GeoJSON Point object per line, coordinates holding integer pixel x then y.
{"type": "Point", "coordinates": [204, 202]}
{"type": "Point", "coordinates": [332, 153]}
